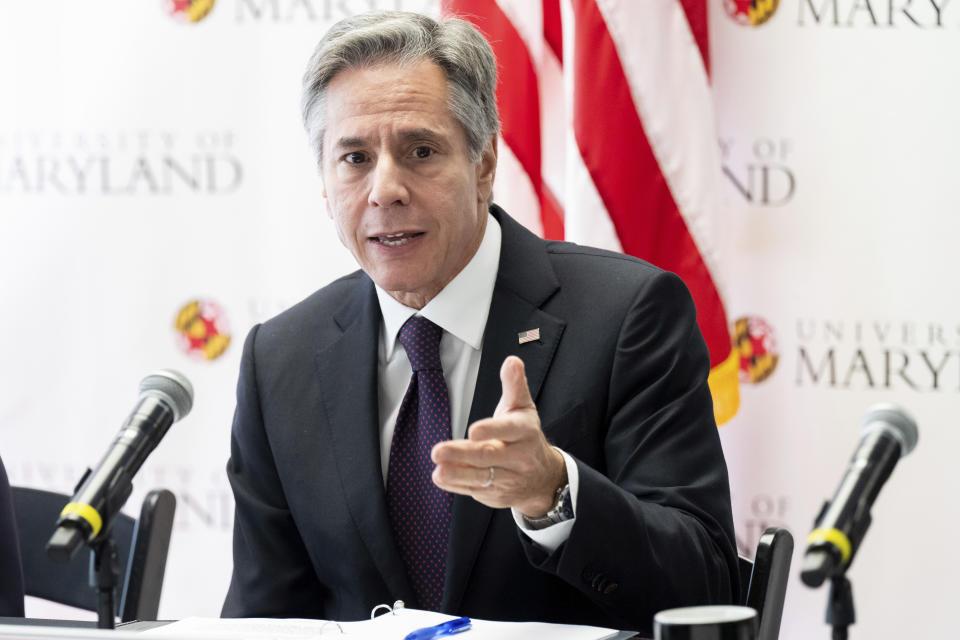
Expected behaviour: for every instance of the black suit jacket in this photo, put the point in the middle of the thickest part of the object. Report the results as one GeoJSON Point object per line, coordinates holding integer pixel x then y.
{"type": "Point", "coordinates": [619, 378]}
{"type": "Point", "coordinates": [11, 574]}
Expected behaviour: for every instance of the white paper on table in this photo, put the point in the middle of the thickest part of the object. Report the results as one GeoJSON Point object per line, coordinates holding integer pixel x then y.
{"type": "Point", "coordinates": [383, 627]}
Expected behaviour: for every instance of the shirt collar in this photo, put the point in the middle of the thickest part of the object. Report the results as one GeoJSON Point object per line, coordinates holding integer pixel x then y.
{"type": "Point", "coordinates": [461, 308]}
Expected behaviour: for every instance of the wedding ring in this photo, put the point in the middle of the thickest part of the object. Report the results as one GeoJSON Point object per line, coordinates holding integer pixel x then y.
{"type": "Point", "coordinates": [489, 480]}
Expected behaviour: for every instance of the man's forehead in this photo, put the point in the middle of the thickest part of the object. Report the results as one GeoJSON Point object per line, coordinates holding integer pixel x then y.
{"type": "Point", "coordinates": [388, 82]}
{"type": "Point", "coordinates": [389, 102]}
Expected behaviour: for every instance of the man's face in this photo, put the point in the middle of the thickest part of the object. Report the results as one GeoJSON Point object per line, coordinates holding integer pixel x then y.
{"type": "Point", "coordinates": [407, 200]}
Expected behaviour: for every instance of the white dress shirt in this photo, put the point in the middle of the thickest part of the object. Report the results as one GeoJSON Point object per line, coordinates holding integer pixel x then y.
{"type": "Point", "coordinates": [460, 309]}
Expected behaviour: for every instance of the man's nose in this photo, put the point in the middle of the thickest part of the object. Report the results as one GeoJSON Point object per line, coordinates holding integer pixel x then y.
{"type": "Point", "coordinates": [388, 188]}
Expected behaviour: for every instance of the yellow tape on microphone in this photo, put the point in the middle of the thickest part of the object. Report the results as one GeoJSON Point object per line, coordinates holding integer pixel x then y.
{"type": "Point", "coordinates": [86, 512]}
{"type": "Point", "coordinates": [834, 537]}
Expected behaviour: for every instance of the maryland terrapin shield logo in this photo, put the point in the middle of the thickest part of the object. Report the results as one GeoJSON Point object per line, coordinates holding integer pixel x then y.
{"type": "Point", "coordinates": [189, 11]}
{"type": "Point", "coordinates": [203, 330]}
{"type": "Point", "coordinates": [751, 12]}
{"type": "Point", "coordinates": [758, 349]}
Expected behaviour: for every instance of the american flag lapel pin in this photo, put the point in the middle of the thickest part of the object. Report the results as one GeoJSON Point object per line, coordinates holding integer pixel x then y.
{"type": "Point", "coordinates": [529, 335]}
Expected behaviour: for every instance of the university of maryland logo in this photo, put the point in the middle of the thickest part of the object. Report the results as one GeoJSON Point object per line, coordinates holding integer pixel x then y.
{"type": "Point", "coordinates": [202, 329]}
{"type": "Point", "coordinates": [758, 348]}
{"type": "Point", "coordinates": [751, 12]}
{"type": "Point", "coordinates": [190, 11]}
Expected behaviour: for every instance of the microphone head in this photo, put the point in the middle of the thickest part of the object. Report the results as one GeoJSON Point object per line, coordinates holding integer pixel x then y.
{"type": "Point", "coordinates": [896, 422]}
{"type": "Point", "coordinates": [171, 386]}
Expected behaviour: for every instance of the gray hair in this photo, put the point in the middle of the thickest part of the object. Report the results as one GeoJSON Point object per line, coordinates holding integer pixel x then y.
{"type": "Point", "coordinates": [404, 38]}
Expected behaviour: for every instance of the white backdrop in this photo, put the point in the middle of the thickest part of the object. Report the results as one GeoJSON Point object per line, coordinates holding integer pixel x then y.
{"type": "Point", "coordinates": [147, 162]}
{"type": "Point", "coordinates": [850, 256]}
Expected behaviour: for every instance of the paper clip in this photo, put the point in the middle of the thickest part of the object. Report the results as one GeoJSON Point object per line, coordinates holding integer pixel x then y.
{"type": "Point", "coordinates": [395, 609]}
{"type": "Point", "coordinates": [448, 628]}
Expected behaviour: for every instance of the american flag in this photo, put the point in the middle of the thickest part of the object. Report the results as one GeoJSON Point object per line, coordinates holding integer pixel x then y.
{"type": "Point", "coordinates": [608, 138]}
{"type": "Point", "coordinates": [530, 335]}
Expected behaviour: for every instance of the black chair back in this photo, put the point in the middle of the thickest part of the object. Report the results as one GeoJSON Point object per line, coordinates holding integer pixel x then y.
{"type": "Point", "coordinates": [765, 580]}
{"type": "Point", "coordinates": [142, 546]}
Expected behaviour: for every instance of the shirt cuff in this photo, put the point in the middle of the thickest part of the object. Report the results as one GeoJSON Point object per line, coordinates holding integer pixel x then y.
{"type": "Point", "coordinates": [550, 538]}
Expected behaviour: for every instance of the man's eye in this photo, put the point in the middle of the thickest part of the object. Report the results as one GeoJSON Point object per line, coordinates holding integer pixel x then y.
{"type": "Point", "coordinates": [422, 152]}
{"type": "Point", "coordinates": [355, 157]}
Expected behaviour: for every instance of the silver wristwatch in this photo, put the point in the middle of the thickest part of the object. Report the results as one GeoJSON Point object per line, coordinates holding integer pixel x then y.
{"type": "Point", "coordinates": [562, 510]}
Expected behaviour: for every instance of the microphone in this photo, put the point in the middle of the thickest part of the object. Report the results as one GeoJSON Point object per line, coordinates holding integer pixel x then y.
{"type": "Point", "coordinates": [165, 397]}
{"type": "Point", "coordinates": [888, 433]}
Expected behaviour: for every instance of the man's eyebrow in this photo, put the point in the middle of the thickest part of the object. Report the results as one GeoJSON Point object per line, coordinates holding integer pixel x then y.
{"type": "Point", "coordinates": [349, 142]}
{"type": "Point", "coordinates": [421, 133]}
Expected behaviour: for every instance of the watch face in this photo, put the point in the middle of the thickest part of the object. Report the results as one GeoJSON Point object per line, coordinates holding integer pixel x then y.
{"type": "Point", "coordinates": [567, 505]}
{"type": "Point", "coordinates": [564, 509]}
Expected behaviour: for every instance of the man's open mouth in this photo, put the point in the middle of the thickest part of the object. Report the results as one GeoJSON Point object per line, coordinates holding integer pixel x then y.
{"type": "Point", "coordinates": [396, 239]}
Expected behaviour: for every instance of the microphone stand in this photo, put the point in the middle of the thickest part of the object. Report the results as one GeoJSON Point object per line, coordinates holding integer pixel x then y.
{"type": "Point", "coordinates": [104, 571]}
{"type": "Point", "coordinates": [840, 611]}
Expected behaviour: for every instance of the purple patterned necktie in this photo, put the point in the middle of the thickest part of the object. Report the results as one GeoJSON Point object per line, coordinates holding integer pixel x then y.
{"type": "Point", "coordinates": [420, 511]}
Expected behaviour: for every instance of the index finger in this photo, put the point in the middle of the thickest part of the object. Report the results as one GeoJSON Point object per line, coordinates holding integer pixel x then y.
{"type": "Point", "coordinates": [511, 427]}
{"type": "Point", "coordinates": [467, 452]}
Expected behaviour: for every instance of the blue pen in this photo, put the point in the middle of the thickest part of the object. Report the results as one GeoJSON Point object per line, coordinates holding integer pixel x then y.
{"type": "Point", "coordinates": [448, 628]}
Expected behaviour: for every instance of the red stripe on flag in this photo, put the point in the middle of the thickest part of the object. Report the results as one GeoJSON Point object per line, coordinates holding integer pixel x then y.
{"type": "Point", "coordinates": [518, 94]}
{"type": "Point", "coordinates": [696, 11]}
{"type": "Point", "coordinates": [625, 171]}
{"type": "Point", "coordinates": [551, 214]}
{"type": "Point", "coordinates": [553, 27]}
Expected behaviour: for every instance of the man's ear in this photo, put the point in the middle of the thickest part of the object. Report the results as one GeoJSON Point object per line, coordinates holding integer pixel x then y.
{"type": "Point", "coordinates": [326, 205]}
{"type": "Point", "coordinates": [487, 170]}
{"type": "Point", "coordinates": [323, 192]}
{"type": "Point", "coordinates": [326, 200]}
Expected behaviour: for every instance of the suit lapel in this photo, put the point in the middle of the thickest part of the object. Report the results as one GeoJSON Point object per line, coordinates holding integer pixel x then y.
{"type": "Point", "coordinates": [347, 367]}
{"type": "Point", "coordinates": [525, 280]}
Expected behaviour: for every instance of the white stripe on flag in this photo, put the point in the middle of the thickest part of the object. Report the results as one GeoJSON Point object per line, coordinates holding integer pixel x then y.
{"type": "Point", "coordinates": [586, 220]}
{"type": "Point", "coordinates": [553, 123]}
{"type": "Point", "coordinates": [513, 190]}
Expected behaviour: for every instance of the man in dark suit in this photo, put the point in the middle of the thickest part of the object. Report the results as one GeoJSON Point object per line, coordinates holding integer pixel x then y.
{"type": "Point", "coordinates": [11, 574]}
{"type": "Point", "coordinates": [590, 486]}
